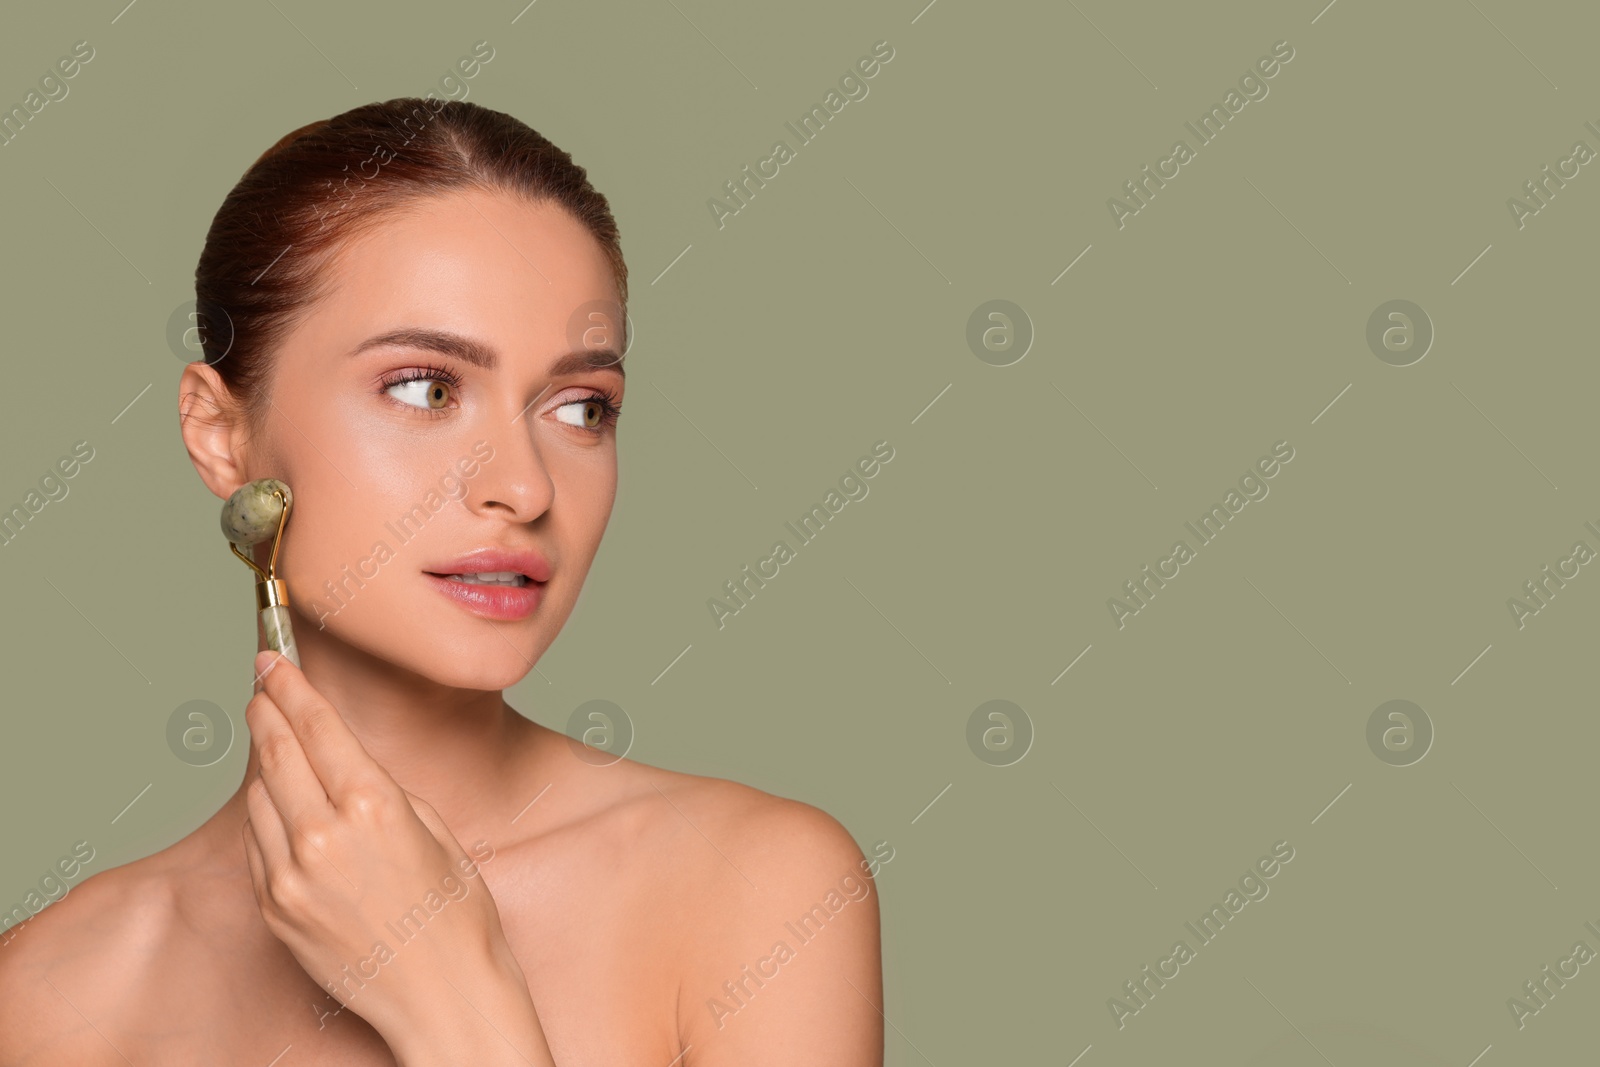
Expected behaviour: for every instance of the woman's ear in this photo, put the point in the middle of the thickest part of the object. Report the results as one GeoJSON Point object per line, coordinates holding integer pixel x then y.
{"type": "Point", "coordinates": [212, 429]}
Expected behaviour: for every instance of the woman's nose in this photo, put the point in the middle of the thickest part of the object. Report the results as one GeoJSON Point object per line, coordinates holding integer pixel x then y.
{"type": "Point", "coordinates": [512, 481]}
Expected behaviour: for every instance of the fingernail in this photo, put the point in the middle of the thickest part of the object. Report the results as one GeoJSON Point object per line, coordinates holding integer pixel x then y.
{"type": "Point", "coordinates": [261, 665]}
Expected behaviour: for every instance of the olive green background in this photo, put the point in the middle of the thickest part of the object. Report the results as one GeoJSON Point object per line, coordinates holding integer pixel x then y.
{"type": "Point", "coordinates": [832, 312]}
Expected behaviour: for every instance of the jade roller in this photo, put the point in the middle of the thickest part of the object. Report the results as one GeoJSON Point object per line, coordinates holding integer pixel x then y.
{"type": "Point", "coordinates": [255, 512]}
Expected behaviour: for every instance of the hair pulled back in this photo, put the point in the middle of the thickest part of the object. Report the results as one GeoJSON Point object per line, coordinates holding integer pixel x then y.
{"type": "Point", "coordinates": [267, 252]}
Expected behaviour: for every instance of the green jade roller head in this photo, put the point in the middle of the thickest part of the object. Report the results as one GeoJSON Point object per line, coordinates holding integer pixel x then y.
{"type": "Point", "coordinates": [255, 512]}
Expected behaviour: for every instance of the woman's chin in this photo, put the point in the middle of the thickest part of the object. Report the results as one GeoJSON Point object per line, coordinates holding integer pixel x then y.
{"type": "Point", "coordinates": [489, 673]}
{"type": "Point", "coordinates": [478, 661]}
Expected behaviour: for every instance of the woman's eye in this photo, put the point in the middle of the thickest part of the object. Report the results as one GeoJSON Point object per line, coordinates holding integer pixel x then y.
{"type": "Point", "coordinates": [422, 392]}
{"type": "Point", "coordinates": [588, 413]}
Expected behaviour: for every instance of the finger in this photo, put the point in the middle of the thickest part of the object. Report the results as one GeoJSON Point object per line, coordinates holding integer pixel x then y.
{"type": "Point", "coordinates": [265, 660]}
{"type": "Point", "coordinates": [436, 825]}
{"type": "Point", "coordinates": [257, 683]}
{"type": "Point", "coordinates": [258, 865]}
{"type": "Point", "coordinates": [292, 784]}
{"type": "Point", "coordinates": [333, 752]}
{"type": "Point", "coordinates": [267, 827]}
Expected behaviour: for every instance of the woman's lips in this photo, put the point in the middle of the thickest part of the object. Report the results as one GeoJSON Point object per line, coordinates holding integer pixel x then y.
{"type": "Point", "coordinates": [506, 602]}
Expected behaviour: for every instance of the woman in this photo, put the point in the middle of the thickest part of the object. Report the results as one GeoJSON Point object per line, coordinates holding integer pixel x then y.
{"type": "Point", "coordinates": [412, 317]}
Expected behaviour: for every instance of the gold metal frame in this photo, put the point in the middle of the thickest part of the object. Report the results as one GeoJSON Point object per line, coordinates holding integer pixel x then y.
{"type": "Point", "coordinates": [270, 589]}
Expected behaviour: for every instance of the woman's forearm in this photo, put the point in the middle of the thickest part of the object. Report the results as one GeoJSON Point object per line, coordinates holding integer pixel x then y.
{"type": "Point", "coordinates": [486, 1021]}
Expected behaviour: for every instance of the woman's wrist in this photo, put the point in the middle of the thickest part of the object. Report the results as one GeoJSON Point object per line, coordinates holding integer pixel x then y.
{"type": "Point", "coordinates": [482, 1014]}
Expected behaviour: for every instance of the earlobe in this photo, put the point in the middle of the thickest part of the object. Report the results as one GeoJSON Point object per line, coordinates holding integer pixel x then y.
{"type": "Point", "coordinates": [209, 429]}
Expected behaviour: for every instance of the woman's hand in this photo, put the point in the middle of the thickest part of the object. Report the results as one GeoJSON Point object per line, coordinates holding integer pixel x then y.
{"type": "Point", "coordinates": [371, 892]}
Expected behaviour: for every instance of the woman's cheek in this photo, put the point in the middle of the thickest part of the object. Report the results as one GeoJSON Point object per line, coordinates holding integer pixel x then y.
{"type": "Point", "coordinates": [334, 565]}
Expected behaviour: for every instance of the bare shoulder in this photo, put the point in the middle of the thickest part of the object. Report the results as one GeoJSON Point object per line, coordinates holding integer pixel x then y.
{"type": "Point", "coordinates": [67, 974]}
{"type": "Point", "coordinates": [776, 836]}
{"type": "Point", "coordinates": [777, 910]}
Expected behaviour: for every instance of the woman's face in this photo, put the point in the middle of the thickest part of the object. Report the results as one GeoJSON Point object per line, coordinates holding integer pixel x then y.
{"type": "Point", "coordinates": [395, 482]}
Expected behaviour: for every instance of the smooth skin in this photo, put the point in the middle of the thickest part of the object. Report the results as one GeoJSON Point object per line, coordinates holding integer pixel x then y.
{"type": "Point", "coordinates": [334, 843]}
{"type": "Point", "coordinates": [565, 911]}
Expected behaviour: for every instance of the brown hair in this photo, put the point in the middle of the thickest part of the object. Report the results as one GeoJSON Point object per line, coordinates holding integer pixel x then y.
{"type": "Point", "coordinates": [266, 254]}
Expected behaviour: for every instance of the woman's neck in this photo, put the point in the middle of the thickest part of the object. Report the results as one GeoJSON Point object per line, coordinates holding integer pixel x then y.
{"type": "Point", "coordinates": [465, 751]}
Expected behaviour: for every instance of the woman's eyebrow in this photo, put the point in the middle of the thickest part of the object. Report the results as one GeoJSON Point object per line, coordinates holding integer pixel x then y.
{"type": "Point", "coordinates": [481, 355]}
